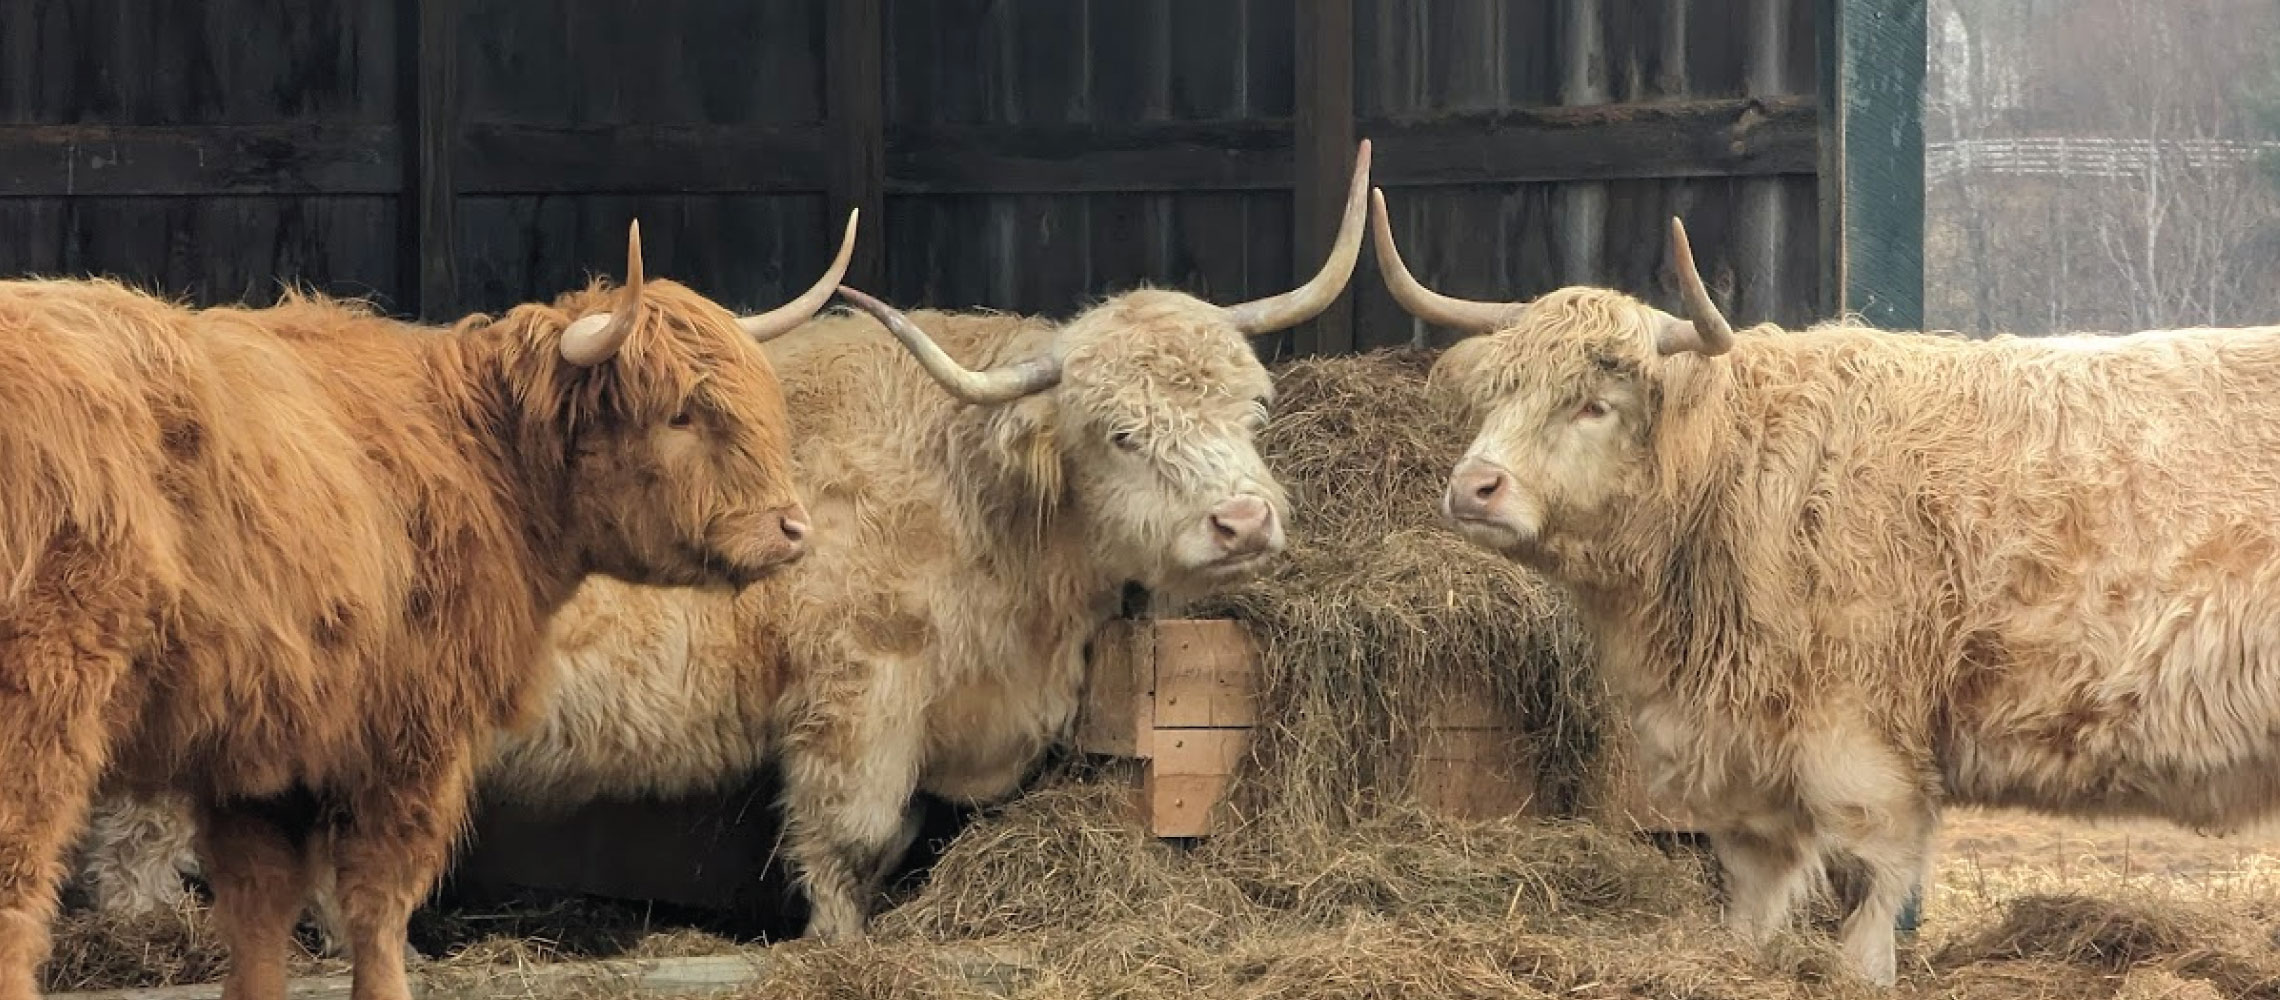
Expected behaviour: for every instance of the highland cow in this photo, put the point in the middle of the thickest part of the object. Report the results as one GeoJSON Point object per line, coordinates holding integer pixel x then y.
{"type": "Point", "coordinates": [1841, 577]}
{"type": "Point", "coordinates": [295, 564]}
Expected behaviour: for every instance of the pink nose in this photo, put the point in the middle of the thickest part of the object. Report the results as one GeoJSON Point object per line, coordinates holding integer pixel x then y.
{"type": "Point", "coordinates": [791, 534]}
{"type": "Point", "coordinates": [1476, 490]}
{"type": "Point", "coordinates": [1243, 526]}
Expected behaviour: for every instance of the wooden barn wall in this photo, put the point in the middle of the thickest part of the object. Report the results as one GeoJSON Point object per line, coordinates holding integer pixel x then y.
{"type": "Point", "coordinates": [1032, 155]}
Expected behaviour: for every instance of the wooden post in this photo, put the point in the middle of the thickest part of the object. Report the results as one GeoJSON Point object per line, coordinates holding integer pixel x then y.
{"type": "Point", "coordinates": [1323, 158]}
{"type": "Point", "coordinates": [431, 213]}
{"type": "Point", "coordinates": [1872, 160]}
{"type": "Point", "coordinates": [1579, 208]}
{"type": "Point", "coordinates": [855, 107]}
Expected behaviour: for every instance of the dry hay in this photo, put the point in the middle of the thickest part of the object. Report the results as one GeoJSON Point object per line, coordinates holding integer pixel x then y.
{"type": "Point", "coordinates": [1063, 895]}
{"type": "Point", "coordinates": [1379, 614]}
{"type": "Point", "coordinates": [102, 951]}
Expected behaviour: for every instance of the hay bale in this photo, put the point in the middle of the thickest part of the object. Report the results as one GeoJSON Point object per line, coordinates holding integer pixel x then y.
{"type": "Point", "coordinates": [1380, 613]}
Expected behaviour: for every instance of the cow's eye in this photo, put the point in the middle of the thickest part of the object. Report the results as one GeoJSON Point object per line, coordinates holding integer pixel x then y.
{"type": "Point", "coordinates": [1124, 440]}
{"type": "Point", "coordinates": [682, 418]}
{"type": "Point", "coordinates": [1593, 409]}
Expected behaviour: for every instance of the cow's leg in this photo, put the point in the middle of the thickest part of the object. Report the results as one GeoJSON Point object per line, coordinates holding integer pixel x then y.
{"type": "Point", "coordinates": [892, 853]}
{"type": "Point", "coordinates": [1896, 854]}
{"type": "Point", "coordinates": [324, 901]}
{"type": "Point", "coordinates": [388, 853]}
{"type": "Point", "coordinates": [252, 852]}
{"type": "Point", "coordinates": [1868, 801]}
{"type": "Point", "coordinates": [131, 859]}
{"type": "Point", "coordinates": [1767, 871]}
{"type": "Point", "coordinates": [849, 773]}
{"type": "Point", "coordinates": [61, 663]}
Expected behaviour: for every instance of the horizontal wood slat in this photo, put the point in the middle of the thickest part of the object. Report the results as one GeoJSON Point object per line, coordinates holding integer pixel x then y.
{"type": "Point", "coordinates": [46, 161]}
{"type": "Point", "coordinates": [1700, 138]}
{"type": "Point", "coordinates": [624, 159]}
{"type": "Point", "coordinates": [1218, 156]}
{"type": "Point", "coordinates": [1709, 138]}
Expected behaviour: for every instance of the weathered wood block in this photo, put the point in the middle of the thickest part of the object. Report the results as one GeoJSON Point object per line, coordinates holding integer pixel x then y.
{"type": "Point", "coordinates": [1181, 696]}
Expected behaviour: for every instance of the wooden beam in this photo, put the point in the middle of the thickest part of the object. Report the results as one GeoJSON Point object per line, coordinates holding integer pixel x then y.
{"type": "Point", "coordinates": [496, 158]}
{"type": "Point", "coordinates": [433, 212]}
{"type": "Point", "coordinates": [1323, 158]}
{"type": "Point", "coordinates": [1872, 160]}
{"type": "Point", "coordinates": [1709, 138]}
{"type": "Point", "coordinates": [985, 967]}
{"type": "Point", "coordinates": [855, 87]}
{"type": "Point", "coordinates": [57, 161]}
{"type": "Point", "coordinates": [1071, 159]}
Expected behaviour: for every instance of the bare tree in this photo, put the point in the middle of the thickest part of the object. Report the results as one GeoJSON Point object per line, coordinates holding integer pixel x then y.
{"type": "Point", "coordinates": [2098, 172]}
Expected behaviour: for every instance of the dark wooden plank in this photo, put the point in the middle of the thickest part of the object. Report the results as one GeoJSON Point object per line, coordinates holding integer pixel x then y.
{"type": "Point", "coordinates": [1390, 65]}
{"type": "Point", "coordinates": [941, 251]}
{"type": "Point", "coordinates": [1268, 266]}
{"type": "Point", "coordinates": [1121, 232]}
{"type": "Point", "coordinates": [1051, 62]}
{"type": "Point", "coordinates": [434, 227]}
{"type": "Point", "coordinates": [232, 249]}
{"type": "Point", "coordinates": [1670, 139]}
{"type": "Point", "coordinates": [499, 158]}
{"type": "Point", "coordinates": [32, 236]}
{"type": "Point", "coordinates": [855, 92]}
{"type": "Point", "coordinates": [1799, 256]}
{"type": "Point", "coordinates": [1050, 264]}
{"type": "Point", "coordinates": [221, 61]}
{"type": "Point", "coordinates": [1603, 142]}
{"type": "Point", "coordinates": [1324, 155]}
{"type": "Point", "coordinates": [1270, 58]}
{"type": "Point", "coordinates": [659, 62]}
{"type": "Point", "coordinates": [1207, 60]}
{"type": "Point", "coordinates": [743, 251]}
{"type": "Point", "coordinates": [1872, 170]}
{"type": "Point", "coordinates": [1464, 55]}
{"type": "Point", "coordinates": [1131, 43]}
{"type": "Point", "coordinates": [1207, 246]}
{"type": "Point", "coordinates": [66, 160]}
{"type": "Point", "coordinates": [1083, 158]}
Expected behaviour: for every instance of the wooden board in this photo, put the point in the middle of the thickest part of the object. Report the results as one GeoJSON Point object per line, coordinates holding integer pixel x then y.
{"type": "Point", "coordinates": [1189, 776]}
{"type": "Point", "coordinates": [1148, 676]}
{"type": "Point", "coordinates": [1206, 674]}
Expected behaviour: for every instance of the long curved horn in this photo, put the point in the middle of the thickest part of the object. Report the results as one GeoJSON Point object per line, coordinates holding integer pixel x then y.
{"type": "Point", "coordinates": [1469, 315]}
{"type": "Point", "coordinates": [1704, 331]}
{"type": "Point", "coordinates": [785, 318]}
{"type": "Point", "coordinates": [596, 338]}
{"type": "Point", "coordinates": [1002, 384]}
{"type": "Point", "coordinates": [1307, 301]}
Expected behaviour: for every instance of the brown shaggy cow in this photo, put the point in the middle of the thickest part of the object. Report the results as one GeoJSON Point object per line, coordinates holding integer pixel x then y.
{"type": "Point", "coordinates": [296, 564]}
{"type": "Point", "coordinates": [1842, 576]}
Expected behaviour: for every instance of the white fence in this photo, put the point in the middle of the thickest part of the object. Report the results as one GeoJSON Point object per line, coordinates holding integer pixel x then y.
{"type": "Point", "coordinates": [2101, 158]}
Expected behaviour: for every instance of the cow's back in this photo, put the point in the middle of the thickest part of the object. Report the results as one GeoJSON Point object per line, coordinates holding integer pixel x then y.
{"type": "Point", "coordinates": [251, 468]}
{"type": "Point", "coordinates": [2046, 566]}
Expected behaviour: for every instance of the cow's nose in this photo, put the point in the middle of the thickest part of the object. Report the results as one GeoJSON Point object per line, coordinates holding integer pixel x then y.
{"type": "Point", "coordinates": [1476, 490]}
{"type": "Point", "coordinates": [790, 542]}
{"type": "Point", "coordinates": [1242, 526]}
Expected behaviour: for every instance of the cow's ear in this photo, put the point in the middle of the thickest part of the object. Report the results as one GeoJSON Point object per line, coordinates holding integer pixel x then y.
{"type": "Point", "coordinates": [1028, 446]}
